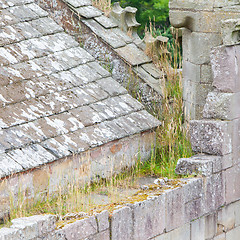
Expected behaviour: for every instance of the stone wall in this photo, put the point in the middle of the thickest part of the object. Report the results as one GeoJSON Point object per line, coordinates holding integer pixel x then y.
{"type": "Point", "coordinates": [193, 211]}
{"type": "Point", "coordinates": [201, 22]}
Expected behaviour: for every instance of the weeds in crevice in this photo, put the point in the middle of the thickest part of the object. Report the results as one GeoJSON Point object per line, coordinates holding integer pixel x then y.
{"type": "Point", "coordinates": [104, 5]}
{"type": "Point", "coordinates": [172, 136]}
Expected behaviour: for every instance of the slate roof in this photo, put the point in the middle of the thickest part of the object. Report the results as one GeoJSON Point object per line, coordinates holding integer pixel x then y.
{"type": "Point", "coordinates": [55, 99]}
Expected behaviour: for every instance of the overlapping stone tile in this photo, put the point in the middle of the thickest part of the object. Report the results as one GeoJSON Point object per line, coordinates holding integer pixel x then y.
{"type": "Point", "coordinates": [79, 3]}
{"type": "Point", "coordinates": [7, 18]}
{"type": "Point", "coordinates": [88, 11]}
{"type": "Point", "coordinates": [23, 13]}
{"type": "Point", "coordinates": [46, 26]}
{"type": "Point", "coordinates": [55, 99]}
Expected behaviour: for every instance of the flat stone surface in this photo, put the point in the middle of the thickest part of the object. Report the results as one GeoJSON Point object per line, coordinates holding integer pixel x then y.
{"type": "Point", "coordinates": [55, 99]}
{"type": "Point", "coordinates": [79, 3]}
{"type": "Point", "coordinates": [132, 54]}
{"type": "Point", "coordinates": [89, 12]}
{"type": "Point", "coordinates": [106, 34]}
{"type": "Point", "coordinates": [106, 22]}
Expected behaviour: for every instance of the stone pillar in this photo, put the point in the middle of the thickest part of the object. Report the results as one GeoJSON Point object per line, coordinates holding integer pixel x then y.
{"type": "Point", "coordinates": [201, 20]}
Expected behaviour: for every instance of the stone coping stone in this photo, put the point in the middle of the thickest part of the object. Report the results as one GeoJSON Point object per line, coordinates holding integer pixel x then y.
{"type": "Point", "coordinates": [132, 54]}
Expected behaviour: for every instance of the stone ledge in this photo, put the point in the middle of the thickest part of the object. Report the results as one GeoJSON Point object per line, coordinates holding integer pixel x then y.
{"type": "Point", "coordinates": [200, 164]}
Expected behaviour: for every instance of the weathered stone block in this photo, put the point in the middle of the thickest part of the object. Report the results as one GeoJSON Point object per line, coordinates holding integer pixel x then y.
{"type": "Point", "coordinates": [214, 192]}
{"type": "Point", "coordinates": [203, 228]}
{"type": "Point", "coordinates": [233, 234]}
{"type": "Point", "coordinates": [226, 219]}
{"type": "Point", "coordinates": [230, 31]}
{"type": "Point", "coordinates": [149, 218]}
{"type": "Point", "coordinates": [232, 176]}
{"type": "Point", "coordinates": [199, 164]}
{"type": "Point", "coordinates": [199, 46]}
{"type": "Point", "coordinates": [122, 224]}
{"type": "Point", "coordinates": [220, 237]}
{"type": "Point", "coordinates": [81, 229]}
{"type": "Point", "coordinates": [102, 220]}
{"type": "Point", "coordinates": [225, 66]}
{"type": "Point", "coordinates": [222, 106]}
{"type": "Point", "coordinates": [182, 233]}
{"type": "Point", "coordinates": [212, 137]}
{"type": "Point", "coordinates": [175, 209]}
{"type": "Point", "coordinates": [132, 54]}
{"type": "Point", "coordinates": [100, 236]}
{"type": "Point", "coordinates": [10, 233]}
{"type": "Point", "coordinates": [236, 141]}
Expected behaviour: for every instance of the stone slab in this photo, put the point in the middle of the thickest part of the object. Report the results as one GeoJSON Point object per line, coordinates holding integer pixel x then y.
{"type": "Point", "coordinates": [132, 54]}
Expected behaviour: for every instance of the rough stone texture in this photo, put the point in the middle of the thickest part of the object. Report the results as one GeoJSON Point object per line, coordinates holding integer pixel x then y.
{"type": "Point", "coordinates": [81, 228]}
{"type": "Point", "coordinates": [204, 165]}
{"type": "Point", "coordinates": [122, 224]}
{"type": "Point", "coordinates": [203, 30]}
{"type": "Point", "coordinates": [225, 65]}
{"type": "Point", "coordinates": [48, 80]}
{"type": "Point", "coordinates": [222, 106]}
{"type": "Point", "coordinates": [149, 220]}
{"type": "Point", "coordinates": [212, 137]}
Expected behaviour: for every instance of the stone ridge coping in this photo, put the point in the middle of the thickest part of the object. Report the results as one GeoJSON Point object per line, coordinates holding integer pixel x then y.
{"type": "Point", "coordinates": [126, 220]}
{"type": "Point", "coordinates": [123, 45]}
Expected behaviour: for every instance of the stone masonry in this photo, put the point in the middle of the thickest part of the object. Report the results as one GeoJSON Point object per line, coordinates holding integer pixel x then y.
{"type": "Point", "coordinates": [206, 207]}
{"type": "Point", "coordinates": [59, 109]}
{"type": "Point", "coordinates": [201, 22]}
{"type": "Point", "coordinates": [107, 39]}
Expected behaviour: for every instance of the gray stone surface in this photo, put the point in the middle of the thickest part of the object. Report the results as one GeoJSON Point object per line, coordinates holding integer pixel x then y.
{"type": "Point", "coordinates": [55, 99]}
{"type": "Point", "coordinates": [81, 228]}
{"type": "Point", "coordinates": [212, 137]}
{"type": "Point", "coordinates": [122, 224]}
{"type": "Point", "coordinates": [149, 218]}
{"type": "Point", "coordinates": [204, 165]}
{"type": "Point", "coordinates": [132, 54]}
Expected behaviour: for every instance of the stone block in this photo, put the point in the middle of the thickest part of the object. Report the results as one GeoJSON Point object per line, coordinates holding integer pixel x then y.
{"type": "Point", "coordinates": [100, 236]}
{"type": "Point", "coordinates": [88, 11]}
{"type": "Point", "coordinates": [227, 161]}
{"type": "Point", "coordinates": [133, 55]}
{"type": "Point", "coordinates": [220, 237]}
{"type": "Point", "coordinates": [195, 93]}
{"type": "Point", "coordinates": [182, 233]}
{"type": "Point", "coordinates": [203, 228]}
{"type": "Point", "coordinates": [106, 22]}
{"type": "Point", "coordinates": [106, 34]}
{"type": "Point", "coordinates": [230, 31]}
{"type": "Point", "coordinates": [225, 65]}
{"type": "Point", "coordinates": [10, 234]}
{"type": "Point", "coordinates": [237, 213]}
{"type": "Point", "coordinates": [233, 234]}
{"type": "Point", "coordinates": [175, 209]}
{"type": "Point", "coordinates": [206, 74]}
{"type": "Point", "coordinates": [204, 165]}
{"type": "Point", "coordinates": [199, 46]}
{"type": "Point", "coordinates": [214, 192]}
{"type": "Point", "coordinates": [212, 137]}
{"type": "Point", "coordinates": [81, 229]}
{"type": "Point", "coordinates": [226, 219]}
{"type": "Point", "coordinates": [122, 224]}
{"type": "Point", "coordinates": [193, 209]}
{"type": "Point", "coordinates": [79, 3]}
{"type": "Point", "coordinates": [191, 72]}
{"type": "Point", "coordinates": [236, 141]}
{"type": "Point", "coordinates": [149, 218]}
{"type": "Point", "coordinates": [232, 176]}
{"type": "Point", "coordinates": [31, 227]}
{"type": "Point", "coordinates": [221, 105]}
{"type": "Point", "coordinates": [102, 220]}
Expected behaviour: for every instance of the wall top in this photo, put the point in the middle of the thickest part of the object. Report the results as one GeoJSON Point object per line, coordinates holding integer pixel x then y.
{"type": "Point", "coordinates": [195, 5]}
